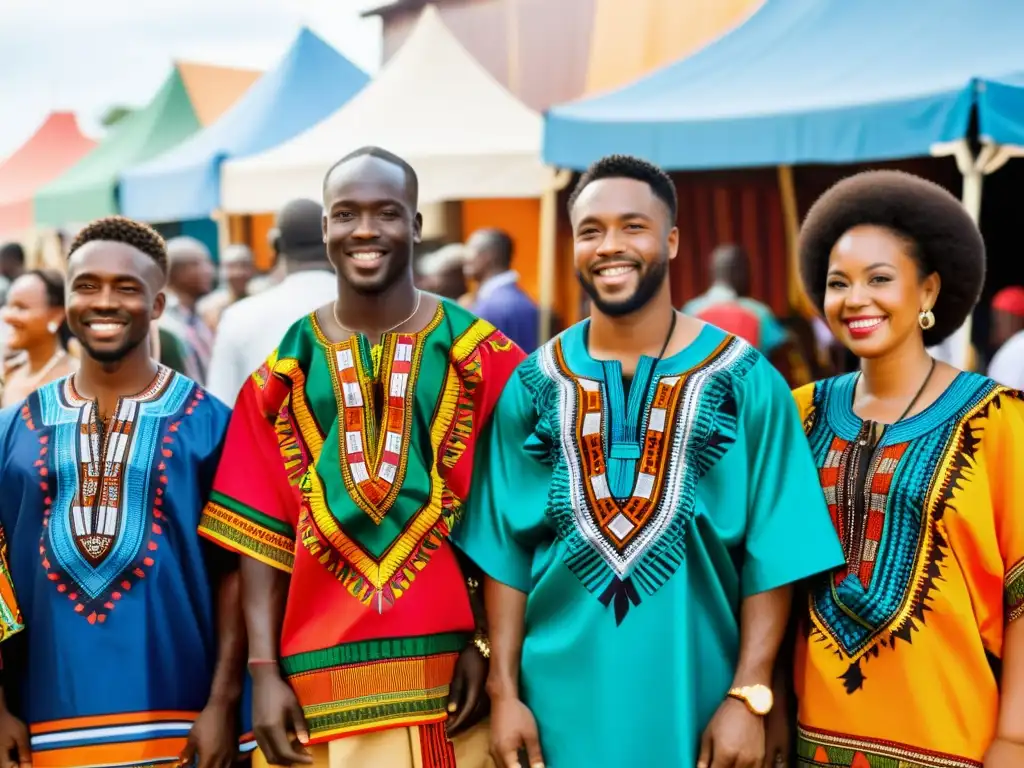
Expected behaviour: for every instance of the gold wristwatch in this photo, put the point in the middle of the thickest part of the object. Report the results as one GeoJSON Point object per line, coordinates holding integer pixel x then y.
{"type": "Point", "coordinates": [758, 698]}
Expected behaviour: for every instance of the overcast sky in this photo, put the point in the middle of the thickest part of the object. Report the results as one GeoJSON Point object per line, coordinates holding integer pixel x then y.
{"type": "Point", "coordinates": [87, 55]}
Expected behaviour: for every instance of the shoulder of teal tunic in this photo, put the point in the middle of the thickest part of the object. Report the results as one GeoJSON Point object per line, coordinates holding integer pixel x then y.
{"type": "Point", "coordinates": [642, 522]}
{"type": "Point", "coordinates": [108, 568]}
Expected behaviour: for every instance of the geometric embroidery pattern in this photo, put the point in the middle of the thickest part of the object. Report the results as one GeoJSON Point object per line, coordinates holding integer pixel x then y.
{"type": "Point", "coordinates": [823, 749]}
{"type": "Point", "coordinates": [620, 548]}
{"type": "Point", "coordinates": [375, 456]}
{"type": "Point", "coordinates": [104, 489]}
{"type": "Point", "coordinates": [373, 462]}
{"type": "Point", "coordinates": [894, 544]}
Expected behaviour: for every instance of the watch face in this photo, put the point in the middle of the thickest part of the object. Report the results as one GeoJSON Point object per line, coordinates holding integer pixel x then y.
{"type": "Point", "coordinates": [760, 699]}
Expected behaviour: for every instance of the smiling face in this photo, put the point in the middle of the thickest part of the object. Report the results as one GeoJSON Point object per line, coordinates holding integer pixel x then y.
{"type": "Point", "coordinates": [114, 292]}
{"type": "Point", "coordinates": [29, 314]}
{"type": "Point", "coordinates": [623, 240]}
{"type": "Point", "coordinates": [875, 291]}
{"type": "Point", "coordinates": [371, 223]}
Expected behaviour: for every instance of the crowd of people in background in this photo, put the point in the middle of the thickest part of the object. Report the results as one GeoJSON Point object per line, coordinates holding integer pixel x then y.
{"type": "Point", "coordinates": [367, 516]}
{"type": "Point", "coordinates": [193, 337]}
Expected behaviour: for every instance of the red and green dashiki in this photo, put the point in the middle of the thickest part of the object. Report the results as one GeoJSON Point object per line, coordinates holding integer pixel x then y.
{"type": "Point", "coordinates": [355, 496]}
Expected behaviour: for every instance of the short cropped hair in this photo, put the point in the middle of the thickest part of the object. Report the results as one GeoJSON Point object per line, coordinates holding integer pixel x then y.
{"type": "Point", "coordinates": [412, 181]}
{"type": "Point", "coordinates": [12, 252]}
{"type": "Point", "coordinates": [943, 238]}
{"type": "Point", "coordinates": [629, 167]}
{"type": "Point", "coordinates": [502, 245]}
{"type": "Point", "coordinates": [119, 229]}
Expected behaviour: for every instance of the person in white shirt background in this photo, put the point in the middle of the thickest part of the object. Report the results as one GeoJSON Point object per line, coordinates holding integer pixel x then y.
{"type": "Point", "coordinates": [250, 329]}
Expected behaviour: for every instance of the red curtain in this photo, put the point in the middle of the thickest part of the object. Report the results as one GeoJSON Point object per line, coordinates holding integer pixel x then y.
{"type": "Point", "coordinates": [741, 207]}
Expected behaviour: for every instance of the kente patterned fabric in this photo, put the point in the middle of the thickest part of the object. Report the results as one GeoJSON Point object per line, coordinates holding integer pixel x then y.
{"type": "Point", "coordinates": [933, 572]}
{"type": "Point", "coordinates": [346, 465]}
{"type": "Point", "coordinates": [637, 522]}
{"type": "Point", "coordinates": [119, 646]}
{"type": "Point", "coordinates": [10, 613]}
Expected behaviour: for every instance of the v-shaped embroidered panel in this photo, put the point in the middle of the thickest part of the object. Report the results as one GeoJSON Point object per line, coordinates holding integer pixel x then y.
{"type": "Point", "coordinates": [379, 495]}
{"type": "Point", "coordinates": [615, 544]}
{"type": "Point", "coordinates": [99, 530]}
{"type": "Point", "coordinates": [375, 452]}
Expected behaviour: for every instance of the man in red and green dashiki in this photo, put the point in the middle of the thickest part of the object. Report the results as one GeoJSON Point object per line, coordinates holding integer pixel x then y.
{"type": "Point", "coordinates": [347, 462]}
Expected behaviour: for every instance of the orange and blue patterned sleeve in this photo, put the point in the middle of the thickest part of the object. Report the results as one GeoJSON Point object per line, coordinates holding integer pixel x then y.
{"type": "Point", "coordinates": [253, 507]}
{"type": "Point", "coordinates": [10, 616]}
{"type": "Point", "coordinates": [1004, 472]}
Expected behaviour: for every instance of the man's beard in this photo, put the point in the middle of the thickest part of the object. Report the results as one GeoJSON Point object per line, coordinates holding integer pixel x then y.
{"type": "Point", "coordinates": [649, 285]}
{"type": "Point", "coordinates": [112, 355]}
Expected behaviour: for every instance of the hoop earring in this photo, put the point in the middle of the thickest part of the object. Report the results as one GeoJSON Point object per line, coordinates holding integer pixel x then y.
{"type": "Point", "coordinates": [52, 327]}
{"type": "Point", "coordinates": [926, 319]}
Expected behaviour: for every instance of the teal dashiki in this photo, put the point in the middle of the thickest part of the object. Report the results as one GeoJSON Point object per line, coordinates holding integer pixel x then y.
{"type": "Point", "coordinates": [636, 522]}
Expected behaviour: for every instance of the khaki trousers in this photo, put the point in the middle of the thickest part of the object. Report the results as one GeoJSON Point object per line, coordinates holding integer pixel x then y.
{"type": "Point", "coordinates": [395, 748]}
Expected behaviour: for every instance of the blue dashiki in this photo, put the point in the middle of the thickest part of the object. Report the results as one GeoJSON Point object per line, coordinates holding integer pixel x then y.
{"type": "Point", "coordinates": [636, 522]}
{"type": "Point", "coordinates": [119, 643]}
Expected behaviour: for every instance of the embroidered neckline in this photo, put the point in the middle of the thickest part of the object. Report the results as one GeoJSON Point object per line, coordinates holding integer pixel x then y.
{"type": "Point", "coordinates": [373, 452]}
{"type": "Point", "coordinates": [847, 424]}
{"type": "Point", "coordinates": [620, 521]}
{"type": "Point", "coordinates": [153, 390]}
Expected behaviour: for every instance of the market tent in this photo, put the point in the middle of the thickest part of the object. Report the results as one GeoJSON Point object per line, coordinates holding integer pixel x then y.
{"type": "Point", "coordinates": [1001, 110]}
{"type": "Point", "coordinates": [214, 90]}
{"type": "Point", "coordinates": [311, 82]}
{"type": "Point", "coordinates": [54, 147]}
{"type": "Point", "coordinates": [660, 32]}
{"type": "Point", "coordinates": [89, 188]}
{"type": "Point", "coordinates": [807, 81]}
{"type": "Point", "coordinates": [433, 104]}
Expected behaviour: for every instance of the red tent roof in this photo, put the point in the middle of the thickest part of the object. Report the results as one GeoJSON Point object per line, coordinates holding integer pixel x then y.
{"type": "Point", "coordinates": [52, 149]}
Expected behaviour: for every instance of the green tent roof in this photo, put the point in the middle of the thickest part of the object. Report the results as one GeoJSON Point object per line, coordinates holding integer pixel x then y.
{"type": "Point", "coordinates": [88, 190]}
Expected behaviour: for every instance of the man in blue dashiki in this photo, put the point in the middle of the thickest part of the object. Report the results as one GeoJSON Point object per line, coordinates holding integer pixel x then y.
{"type": "Point", "coordinates": [127, 657]}
{"type": "Point", "coordinates": [646, 500]}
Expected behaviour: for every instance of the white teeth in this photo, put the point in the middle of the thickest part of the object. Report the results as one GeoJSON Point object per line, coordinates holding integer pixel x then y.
{"type": "Point", "coordinates": [861, 325]}
{"type": "Point", "coordinates": [369, 256]}
{"type": "Point", "coordinates": [611, 271]}
{"type": "Point", "coordinates": [102, 327]}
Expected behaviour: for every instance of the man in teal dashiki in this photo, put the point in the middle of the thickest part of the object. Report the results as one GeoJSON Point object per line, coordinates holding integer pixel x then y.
{"type": "Point", "coordinates": [646, 499]}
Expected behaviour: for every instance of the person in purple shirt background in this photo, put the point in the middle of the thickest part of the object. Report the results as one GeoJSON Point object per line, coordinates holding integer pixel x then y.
{"type": "Point", "coordinates": [499, 299]}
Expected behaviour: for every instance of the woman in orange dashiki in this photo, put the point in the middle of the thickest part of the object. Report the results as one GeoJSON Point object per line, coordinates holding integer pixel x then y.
{"type": "Point", "coordinates": [912, 655]}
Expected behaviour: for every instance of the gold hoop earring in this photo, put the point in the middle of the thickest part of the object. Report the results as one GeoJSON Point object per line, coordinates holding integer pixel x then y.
{"type": "Point", "coordinates": [926, 319]}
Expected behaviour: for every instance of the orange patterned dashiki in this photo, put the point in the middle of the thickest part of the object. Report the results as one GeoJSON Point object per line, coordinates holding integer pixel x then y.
{"type": "Point", "coordinates": [898, 663]}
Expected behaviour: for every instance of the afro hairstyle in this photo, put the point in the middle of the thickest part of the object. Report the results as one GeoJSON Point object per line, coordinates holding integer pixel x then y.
{"type": "Point", "coordinates": [944, 238]}
{"type": "Point", "coordinates": [119, 229]}
{"type": "Point", "coordinates": [629, 167]}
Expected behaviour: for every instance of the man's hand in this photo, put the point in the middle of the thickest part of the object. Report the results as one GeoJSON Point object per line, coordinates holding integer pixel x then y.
{"type": "Point", "coordinates": [214, 738]}
{"type": "Point", "coordinates": [467, 702]}
{"type": "Point", "coordinates": [14, 744]}
{"type": "Point", "coordinates": [1003, 753]}
{"type": "Point", "coordinates": [513, 729]}
{"type": "Point", "coordinates": [734, 738]}
{"type": "Point", "coordinates": [276, 717]}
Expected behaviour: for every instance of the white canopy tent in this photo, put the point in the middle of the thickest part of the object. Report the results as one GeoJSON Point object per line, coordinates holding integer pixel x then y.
{"type": "Point", "coordinates": [434, 105]}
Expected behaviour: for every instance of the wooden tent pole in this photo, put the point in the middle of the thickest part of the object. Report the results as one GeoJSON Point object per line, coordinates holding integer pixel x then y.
{"type": "Point", "coordinates": [798, 298]}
